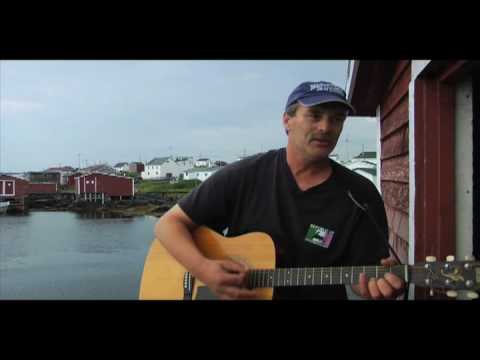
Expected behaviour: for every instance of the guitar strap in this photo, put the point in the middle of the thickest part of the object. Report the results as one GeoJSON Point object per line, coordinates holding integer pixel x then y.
{"type": "Point", "coordinates": [364, 208]}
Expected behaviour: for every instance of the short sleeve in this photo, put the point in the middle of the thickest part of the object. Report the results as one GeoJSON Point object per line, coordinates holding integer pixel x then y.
{"type": "Point", "coordinates": [210, 203]}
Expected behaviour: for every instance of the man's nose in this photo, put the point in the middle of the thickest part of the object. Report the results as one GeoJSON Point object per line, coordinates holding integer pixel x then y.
{"type": "Point", "coordinates": [323, 124]}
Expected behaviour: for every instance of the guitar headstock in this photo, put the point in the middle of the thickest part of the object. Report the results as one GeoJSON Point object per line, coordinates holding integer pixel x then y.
{"type": "Point", "coordinates": [451, 275]}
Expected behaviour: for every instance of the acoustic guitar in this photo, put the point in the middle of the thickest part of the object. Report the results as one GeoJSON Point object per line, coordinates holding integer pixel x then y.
{"type": "Point", "coordinates": [164, 278]}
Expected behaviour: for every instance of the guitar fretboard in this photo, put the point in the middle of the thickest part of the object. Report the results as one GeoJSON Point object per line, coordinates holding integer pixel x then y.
{"type": "Point", "coordinates": [267, 278]}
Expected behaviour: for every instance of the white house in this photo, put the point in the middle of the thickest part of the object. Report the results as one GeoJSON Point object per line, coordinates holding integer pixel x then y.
{"type": "Point", "coordinates": [122, 166]}
{"type": "Point", "coordinates": [199, 173]}
{"type": "Point", "coordinates": [203, 163]}
{"type": "Point", "coordinates": [166, 167]}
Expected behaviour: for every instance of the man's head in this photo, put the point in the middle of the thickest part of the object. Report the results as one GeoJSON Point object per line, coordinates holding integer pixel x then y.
{"type": "Point", "coordinates": [314, 117]}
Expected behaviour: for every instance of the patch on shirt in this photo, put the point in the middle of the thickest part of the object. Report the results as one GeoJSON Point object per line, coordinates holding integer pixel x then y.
{"type": "Point", "coordinates": [320, 236]}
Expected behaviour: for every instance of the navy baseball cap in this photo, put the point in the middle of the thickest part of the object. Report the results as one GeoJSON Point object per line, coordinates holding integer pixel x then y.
{"type": "Point", "coordinates": [312, 93]}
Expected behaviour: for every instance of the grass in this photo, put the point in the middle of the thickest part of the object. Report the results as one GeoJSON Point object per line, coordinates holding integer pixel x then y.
{"type": "Point", "coordinates": [151, 186]}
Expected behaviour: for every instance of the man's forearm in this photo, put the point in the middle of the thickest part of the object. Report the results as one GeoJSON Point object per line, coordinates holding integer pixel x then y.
{"type": "Point", "coordinates": [177, 239]}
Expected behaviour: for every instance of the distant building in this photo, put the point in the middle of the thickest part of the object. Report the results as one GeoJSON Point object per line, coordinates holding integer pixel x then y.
{"type": "Point", "coordinates": [44, 177]}
{"type": "Point", "coordinates": [42, 188]}
{"type": "Point", "coordinates": [199, 173]}
{"type": "Point", "coordinates": [100, 168]}
{"type": "Point", "coordinates": [14, 190]}
{"type": "Point", "coordinates": [64, 172]}
{"type": "Point", "coordinates": [136, 167]}
{"type": "Point", "coordinates": [103, 187]}
{"type": "Point", "coordinates": [166, 167]}
{"type": "Point", "coordinates": [366, 156]}
{"type": "Point", "coordinates": [121, 166]}
{"type": "Point", "coordinates": [203, 163]}
{"type": "Point", "coordinates": [220, 163]}
{"type": "Point", "coordinates": [11, 187]}
{"type": "Point", "coordinates": [71, 178]}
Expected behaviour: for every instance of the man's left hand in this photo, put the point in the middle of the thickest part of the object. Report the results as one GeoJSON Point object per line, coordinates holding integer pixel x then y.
{"type": "Point", "coordinates": [388, 287]}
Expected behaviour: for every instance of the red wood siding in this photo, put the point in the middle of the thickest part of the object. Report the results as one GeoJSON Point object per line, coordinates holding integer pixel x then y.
{"type": "Point", "coordinates": [21, 186]}
{"type": "Point", "coordinates": [36, 188]}
{"type": "Point", "coordinates": [434, 168]}
{"type": "Point", "coordinates": [106, 184]}
{"type": "Point", "coordinates": [394, 157]}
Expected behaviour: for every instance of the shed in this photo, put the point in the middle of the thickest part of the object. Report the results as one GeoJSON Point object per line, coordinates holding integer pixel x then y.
{"type": "Point", "coordinates": [42, 188]}
{"type": "Point", "coordinates": [428, 121]}
{"type": "Point", "coordinates": [101, 187]}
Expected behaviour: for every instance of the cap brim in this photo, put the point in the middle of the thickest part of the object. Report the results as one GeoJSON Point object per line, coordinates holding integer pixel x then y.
{"type": "Point", "coordinates": [317, 100]}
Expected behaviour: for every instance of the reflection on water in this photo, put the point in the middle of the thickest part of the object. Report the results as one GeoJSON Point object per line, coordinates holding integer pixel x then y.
{"type": "Point", "coordinates": [62, 255]}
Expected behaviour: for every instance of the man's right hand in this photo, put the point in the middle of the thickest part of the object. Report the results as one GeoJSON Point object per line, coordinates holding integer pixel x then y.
{"type": "Point", "coordinates": [225, 278]}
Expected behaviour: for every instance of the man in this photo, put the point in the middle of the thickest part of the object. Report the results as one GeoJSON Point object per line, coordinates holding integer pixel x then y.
{"type": "Point", "coordinates": [305, 201]}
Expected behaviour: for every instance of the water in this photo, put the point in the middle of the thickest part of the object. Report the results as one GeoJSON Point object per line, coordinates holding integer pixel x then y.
{"type": "Point", "coordinates": [63, 255]}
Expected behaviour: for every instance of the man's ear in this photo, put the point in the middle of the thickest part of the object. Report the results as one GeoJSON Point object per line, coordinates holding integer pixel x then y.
{"type": "Point", "coordinates": [285, 120]}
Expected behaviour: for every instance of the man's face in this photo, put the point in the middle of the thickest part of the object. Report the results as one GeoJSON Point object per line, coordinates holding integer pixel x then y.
{"type": "Point", "coordinates": [314, 131]}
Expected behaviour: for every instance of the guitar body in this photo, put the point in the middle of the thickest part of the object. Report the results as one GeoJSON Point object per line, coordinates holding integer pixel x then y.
{"type": "Point", "coordinates": [163, 276]}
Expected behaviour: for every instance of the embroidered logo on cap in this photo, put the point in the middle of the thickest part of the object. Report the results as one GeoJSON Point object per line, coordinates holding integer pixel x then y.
{"type": "Point", "coordinates": [320, 236]}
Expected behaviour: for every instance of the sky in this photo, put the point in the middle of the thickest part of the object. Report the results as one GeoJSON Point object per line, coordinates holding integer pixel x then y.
{"type": "Point", "coordinates": [71, 113]}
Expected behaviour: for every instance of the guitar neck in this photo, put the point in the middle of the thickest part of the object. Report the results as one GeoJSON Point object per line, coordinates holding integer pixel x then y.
{"type": "Point", "coordinates": [267, 278]}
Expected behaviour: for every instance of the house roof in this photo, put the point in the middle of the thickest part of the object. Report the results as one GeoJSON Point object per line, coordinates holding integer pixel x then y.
{"type": "Point", "coordinates": [120, 164]}
{"type": "Point", "coordinates": [62, 168]}
{"type": "Point", "coordinates": [366, 155]}
{"type": "Point", "coordinates": [158, 161]}
{"type": "Point", "coordinates": [203, 159]}
{"type": "Point", "coordinates": [368, 84]}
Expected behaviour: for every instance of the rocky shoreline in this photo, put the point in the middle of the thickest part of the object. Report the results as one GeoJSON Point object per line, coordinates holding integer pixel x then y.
{"type": "Point", "coordinates": [143, 204]}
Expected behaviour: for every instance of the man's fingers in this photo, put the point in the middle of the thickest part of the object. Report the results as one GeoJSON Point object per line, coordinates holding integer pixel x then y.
{"type": "Point", "coordinates": [394, 281]}
{"type": "Point", "coordinates": [373, 289]}
{"type": "Point", "coordinates": [363, 286]}
{"type": "Point", "coordinates": [232, 280]}
{"type": "Point", "coordinates": [232, 266]}
{"type": "Point", "coordinates": [390, 261]}
{"type": "Point", "coordinates": [385, 289]}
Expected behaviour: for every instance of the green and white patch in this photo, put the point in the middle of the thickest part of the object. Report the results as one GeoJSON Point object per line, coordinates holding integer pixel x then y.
{"type": "Point", "coordinates": [319, 236]}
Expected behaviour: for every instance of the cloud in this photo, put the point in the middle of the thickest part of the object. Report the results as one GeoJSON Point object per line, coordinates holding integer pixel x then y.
{"type": "Point", "coordinates": [13, 105]}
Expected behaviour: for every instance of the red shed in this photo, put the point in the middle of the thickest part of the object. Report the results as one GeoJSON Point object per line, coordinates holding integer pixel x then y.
{"type": "Point", "coordinates": [43, 188]}
{"type": "Point", "coordinates": [97, 186]}
{"type": "Point", "coordinates": [429, 130]}
{"type": "Point", "coordinates": [14, 190]}
{"type": "Point", "coordinates": [71, 179]}
{"type": "Point", "coordinates": [13, 187]}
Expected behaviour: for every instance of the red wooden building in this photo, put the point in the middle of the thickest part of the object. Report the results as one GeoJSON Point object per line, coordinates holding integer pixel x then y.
{"type": "Point", "coordinates": [14, 190]}
{"type": "Point", "coordinates": [428, 123]}
{"type": "Point", "coordinates": [42, 188]}
{"type": "Point", "coordinates": [71, 179]}
{"type": "Point", "coordinates": [102, 187]}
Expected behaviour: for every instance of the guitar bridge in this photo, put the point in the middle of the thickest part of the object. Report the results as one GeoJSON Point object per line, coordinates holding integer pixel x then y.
{"type": "Point", "coordinates": [188, 282]}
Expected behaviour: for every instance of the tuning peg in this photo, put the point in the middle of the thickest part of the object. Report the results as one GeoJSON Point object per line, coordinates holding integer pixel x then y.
{"type": "Point", "coordinates": [430, 259]}
{"type": "Point", "coordinates": [450, 258]}
{"type": "Point", "coordinates": [469, 258]}
{"type": "Point", "coordinates": [472, 295]}
{"type": "Point", "coordinates": [452, 293]}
